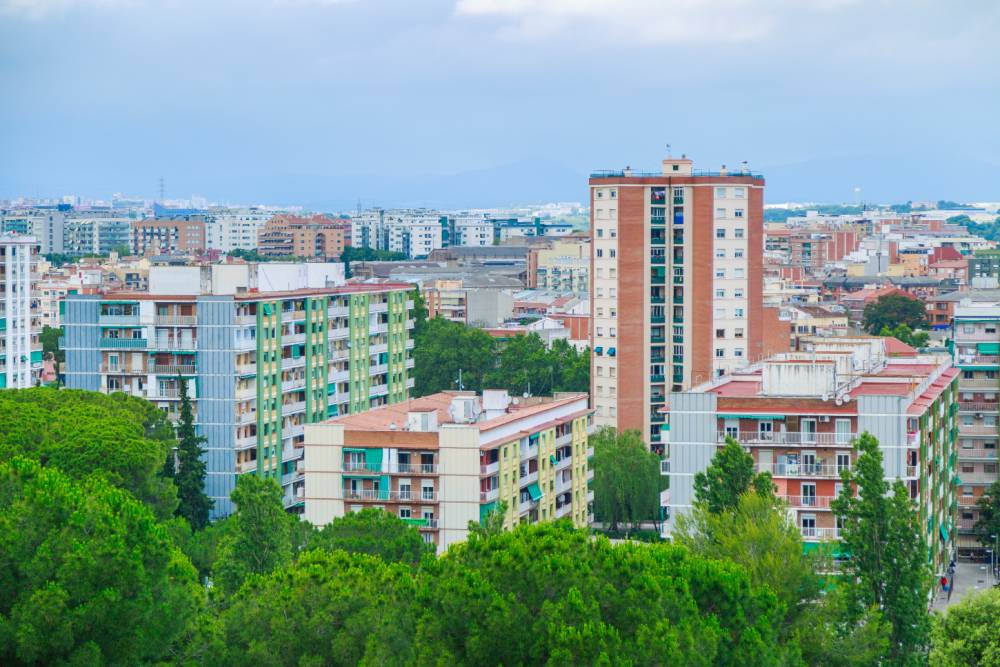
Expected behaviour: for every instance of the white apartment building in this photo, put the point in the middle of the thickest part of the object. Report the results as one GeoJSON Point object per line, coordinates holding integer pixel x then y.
{"type": "Point", "coordinates": [234, 229]}
{"type": "Point", "coordinates": [20, 347]}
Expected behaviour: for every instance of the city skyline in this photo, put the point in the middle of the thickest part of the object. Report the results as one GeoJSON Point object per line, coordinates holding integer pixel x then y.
{"type": "Point", "coordinates": [452, 104]}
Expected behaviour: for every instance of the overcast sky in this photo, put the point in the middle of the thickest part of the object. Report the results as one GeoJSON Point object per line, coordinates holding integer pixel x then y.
{"type": "Point", "coordinates": [321, 102]}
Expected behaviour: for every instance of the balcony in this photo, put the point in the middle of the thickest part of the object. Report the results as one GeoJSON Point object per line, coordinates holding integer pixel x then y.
{"type": "Point", "coordinates": [422, 524]}
{"type": "Point", "coordinates": [123, 343]}
{"type": "Point", "coordinates": [246, 442]}
{"type": "Point", "coordinates": [812, 534]}
{"type": "Point", "coordinates": [976, 406]}
{"type": "Point", "coordinates": [395, 496]}
{"type": "Point", "coordinates": [530, 478]}
{"type": "Point", "coordinates": [814, 502]}
{"type": "Point", "coordinates": [490, 469]}
{"type": "Point", "coordinates": [176, 344]}
{"type": "Point", "coordinates": [118, 320]}
{"type": "Point", "coordinates": [978, 477]}
{"type": "Point", "coordinates": [248, 417]}
{"type": "Point", "coordinates": [794, 438]}
{"type": "Point", "coordinates": [989, 453]}
{"type": "Point", "coordinates": [978, 383]}
{"type": "Point", "coordinates": [977, 431]}
{"type": "Point", "coordinates": [658, 379]}
{"type": "Point", "coordinates": [967, 501]}
{"type": "Point", "coordinates": [172, 369]}
{"type": "Point", "coordinates": [293, 407]}
{"type": "Point", "coordinates": [657, 259]}
{"type": "Point", "coordinates": [808, 470]}
{"type": "Point", "coordinates": [176, 320]}
{"type": "Point", "coordinates": [292, 362]}
{"type": "Point", "coordinates": [489, 496]}
{"type": "Point", "coordinates": [293, 315]}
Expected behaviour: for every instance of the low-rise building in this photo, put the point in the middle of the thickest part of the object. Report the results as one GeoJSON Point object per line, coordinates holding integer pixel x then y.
{"type": "Point", "coordinates": [443, 460]}
{"type": "Point", "coordinates": [314, 237]}
{"type": "Point", "coordinates": [798, 413]}
{"type": "Point", "coordinates": [265, 348]}
{"type": "Point", "coordinates": [168, 236]}
{"type": "Point", "coordinates": [562, 265]}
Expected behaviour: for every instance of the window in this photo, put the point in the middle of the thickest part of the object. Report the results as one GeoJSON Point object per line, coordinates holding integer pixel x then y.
{"type": "Point", "coordinates": [738, 312]}
{"type": "Point", "coordinates": [720, 313]}
{"type": "Point", "coordinates": [613, 292]}
{"type": "Point", "coordinates": [966, 490]}
{"type": "Point", "coordinates": [613, 332]}
{"type": "Point", "coordinates": [738, 213]}
{"type": "Point", "coordinates": [614, 312]}
{"type": "Point", "coordinates": [738, 232]}
{"type": "Point", "coordinates": [612, 253]}
{"type": "Point", "coordinates": [738, 332]}
{"type": "Point", "coordinates": [614, 233]}
{"type": "Point", "coordinates": [720, 353]}
{"type": "Point", "coordinates": [720, 273]}
{"type": "Point", "coordinates": [738, 293]}
{"type": "Point", "coordinates": [720, 294]}
{"type": "Point", "coordinates": [720, 233]}
{"type": "Point", "coordinates": [600, 331]}
{"type": "Point", "coordinates": [720, 253]}
{"type": "Point", "coordinates": [739, 273]}
{"type": "Point", "coordinates": [738, 351]}
{"type": "Point", "coordinates": [738, 253]}
{"type": "Point", "coordinates": [720, 193]}
{"type": "Point", "coordinates": [968, 329]}
{"type": "Point", "coordinates": [600, 252]}
{"type": "Point", "coordinates": [600, 232]}
{"type": "Point", "coordinates": [720, 212]}
{"type": "Point", "coordinates": [405, 513]}
{"type": "Point", "coordinates": [739, 193]}
{"type": "Point", "coordinates": [720, 333]}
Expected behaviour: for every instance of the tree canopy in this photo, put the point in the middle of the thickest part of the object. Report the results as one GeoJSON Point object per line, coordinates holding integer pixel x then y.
{"type": "Point", "coordinates": [374, 532]}
{"type": "Point", "coordinates": [445, 347]}
{"type": "Point", "coordinates": [543, 594]}
{"type": "Point", "coordinates": [988, 524]}
{"type": "Point", "coordinates": [905, 334]}
{"type": "Point", "coordinates": [892, 310]}
{"type": "Point", "coordinates": [627, 480]}
{"type": "Point", "coordinates": [729, 476]}
{"type": "Point", "coordinates": [189, 475]}
{"type": "Point", "coordinates": [888, 554]}
{"type": "Point", "coordinates": [87, 576]}
{"type": "Point", "coordinates": [126, 439]}
{"type": "Point", "coordinates": [968, 633]}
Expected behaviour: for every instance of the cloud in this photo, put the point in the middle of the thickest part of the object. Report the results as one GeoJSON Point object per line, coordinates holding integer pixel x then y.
{"type": "Point", "coordinates": [646, 21]}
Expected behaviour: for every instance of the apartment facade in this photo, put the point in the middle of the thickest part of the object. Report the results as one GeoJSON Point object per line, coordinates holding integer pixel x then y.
{"type": "Point", "coordinates": [977, 355]}
{"type": "Point", "coordinates": [234, 229]}
{"type": "Point", "coordinates": [44, 224]}
{"type": "Point", "coordinates": [20, 345]}
{"type": "Point", "coordinates": [89, 234]}
{"type": "Point", "coordinates": [676, 287]}
{"type": "Point", "coordinates": [314, 237]}
{"type": "Point", "coordinates": [798, 413]}
{"type": "Point", "coordinates": [260, 364]}
{"type": "Point", "coordinates": [441, 461]}
{"type": "Point", "coordinates": [168, 236]}
{"type": "Point", "coordinates": [562, 265]}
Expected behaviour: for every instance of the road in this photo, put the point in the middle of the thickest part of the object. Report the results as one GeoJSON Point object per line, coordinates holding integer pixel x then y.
{"type": "Point", "coordinates": [969, 578]}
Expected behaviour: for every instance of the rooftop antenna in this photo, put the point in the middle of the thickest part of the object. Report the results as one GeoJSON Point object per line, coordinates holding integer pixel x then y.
{"type": "Point", "coordinates": [461, 386]}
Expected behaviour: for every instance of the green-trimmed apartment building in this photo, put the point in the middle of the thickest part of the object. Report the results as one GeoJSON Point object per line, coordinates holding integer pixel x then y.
{"type": "Point", "coordinates": [265, 350]}
{"type": "Point", "coordinates": [20, 326]}
{"type": "Point", "coordinates": [798, 414]}
{"type": "Point", "coordinates": [441, 461]}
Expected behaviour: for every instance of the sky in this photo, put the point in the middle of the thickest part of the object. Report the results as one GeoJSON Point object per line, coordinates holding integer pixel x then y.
{"type": "Point", "coordinates": [456, 103]}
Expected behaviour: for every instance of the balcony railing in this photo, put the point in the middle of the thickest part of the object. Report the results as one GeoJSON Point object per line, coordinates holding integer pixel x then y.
{"type": "Point", "coordinates": [978, 477]}
{"type": "Point", "coordinates": [388, 468]}
{"type": "Point", "coordinates": [803, 469]}
{"type": "Point", "coordinates": [817, 502]}
{"type": "Point", "coordinates": [117, 320]}
{"type": "Point", "coordinates": [489, 469]}
{"type": "Point", "coordinates": [796, 438]}
{"type": "Point", "coordinates": [489, 496]}
{"type": "Point", "coordinates": [967, 501]}
{"type": "Point", "coordinates": [819, 534]}
{"type": "Point", "coordinates": [973, 383]}
{"type": "Point", "coordinates": [123, 343]}
{"type": "Point", "coordinates": [978, 406]}
{"type": "Point", "coordinates": [176, 320]}
{"type": "Point", "coordinates": [977, 430]}
{"type": "Point", "coordinates": [171, 369]}
{"type": "Point", "coordinates": [398, 496]}
{"type": "Point", "coordinates": [977, 453]}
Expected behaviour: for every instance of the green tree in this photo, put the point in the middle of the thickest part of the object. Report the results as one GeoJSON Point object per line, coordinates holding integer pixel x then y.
{"type": "Point", "coordinates": [525, 365]}
{"type": "Point", "coordinates": [572, 368]}
{"type": "Point", "coordinates": [759, 535]}
{"type": "Point", "coordinates": [258, 539]}
{"type": "Point", "coordinates": [446, 347]}
{"type": "Point", "coordinates": [892, 310]}
{"type": "Point", "coordinates": [968, 633]}
{"type": "Point", "coordinates": [729, 476]}
{"type": "Point", "coordinates": [887, 568]}
{"type": "Point", "coordinates": [906, 335]}
{"type": "Point", "coordinates": [87, 576]}
{"type": "Point", "coordinates": [418, 313]}
{"type": "Point", "coordinates": [627, 481]}
{"type": "Point", "coordinates": [50, 344]}
{"type": "Point", "coordinates": [374, 532]}
{"type": "Point", "coordinates": [988, 524]}
{"type": "Point", "coordinates": [191, 469]}
{"type": "Point", "coordinates": [123, 250]}
{"type": "Point", "coordinates": [492, 523]}
{"type": "Point", "coordinates": [123, 438]}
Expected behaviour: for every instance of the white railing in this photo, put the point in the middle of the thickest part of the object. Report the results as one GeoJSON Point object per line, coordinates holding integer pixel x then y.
{"type": "Point", "coordinates": [391, 468]}
{"type": "Point", "coordinates": [817, 534]}
{"type": "Point", "coordinates": [802, 469]}
{"type": "Point", "coordinates": [292, 362]}
{"type": "Point", "coordinates": [978, 477]}
{"type": "Point", "coordinates": [176, 320]}
{"type": "Point", "coordinates": [564, 462]}
{"type": "Point", "coordinates": [290, 408]}
{"type": "Point", "coordinates": [817, 502]}
{"type": "Point", "coordinates": [490, 468]}
{"type": "Point", "coordinates": [564, 510]}
{"type": "Point", "coordinates": [399, 496]}
{"type": "Point", "coordinates": [489, 496]}
{"type": "Point", "coordinates": [976, 406]}
{"type": "Point", "coordinates": [171, 369]}
{"type": "Point", "coordinates": [977, 430]}
{"type": "Point", "coordinates": [564, 440]}
{"type": "Point", "coordinates": [529, 478]}
{"type": "Point", "coordinates": [985, 383]}
{"type": "Point", "coordinates": [796, 438]}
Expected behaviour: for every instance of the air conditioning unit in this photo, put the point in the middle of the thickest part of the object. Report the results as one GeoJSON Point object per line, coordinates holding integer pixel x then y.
{"type": "Point", "coordinates": [824, 418]}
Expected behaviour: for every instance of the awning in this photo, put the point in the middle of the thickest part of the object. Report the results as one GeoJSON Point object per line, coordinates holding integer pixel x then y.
{"type": "Point", "coordinates": [534, 492]}
{"type": "Point", "coordinates": [944, 533]}
{"type": "Point", "coordinates": [552, 459]}
{"type": "Point", "coordinates": [989, 348]}
{"type": "Point", "coordinates": [611, 351]}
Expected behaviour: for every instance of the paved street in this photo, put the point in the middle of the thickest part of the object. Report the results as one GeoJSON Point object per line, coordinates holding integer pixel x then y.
{"type": "Point", "coordinates": [969, 578]}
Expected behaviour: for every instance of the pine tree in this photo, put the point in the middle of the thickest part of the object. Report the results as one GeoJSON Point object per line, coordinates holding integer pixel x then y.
{"type": "Point", "coordinates": [190, 474]}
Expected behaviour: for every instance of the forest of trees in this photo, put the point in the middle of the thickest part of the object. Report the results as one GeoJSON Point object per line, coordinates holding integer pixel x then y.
{"type": "Point", "coordinates": [105, 558]}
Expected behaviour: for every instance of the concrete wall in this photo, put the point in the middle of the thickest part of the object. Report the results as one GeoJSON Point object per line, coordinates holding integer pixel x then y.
{"type": "Point", "coordinates": [693, 436]}
{"type": "Point", "coordinates": [83, 356]}
{"type": "Point", "coordinates": [458, 484]}
{"type": "Point", "coordinates": [216, 416]}
{"type": "Point", "coordinates": [323, 459]}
